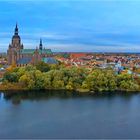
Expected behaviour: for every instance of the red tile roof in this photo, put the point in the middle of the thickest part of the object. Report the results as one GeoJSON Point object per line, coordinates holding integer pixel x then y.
{"type": "Point", "coordinates": [77, 55]}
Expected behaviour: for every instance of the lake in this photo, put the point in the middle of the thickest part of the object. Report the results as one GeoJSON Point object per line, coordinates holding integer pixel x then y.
{"type": "Point", "coordinates": [61, 114]}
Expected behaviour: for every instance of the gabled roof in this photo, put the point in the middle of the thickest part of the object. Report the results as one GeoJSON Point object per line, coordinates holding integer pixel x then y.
{"type": "Point", "coordinates": [45, 51]}
{"type": "Point", "coordinates": [27, 51]}
{"type": "Point", "coordinates": [24, 60]}
{"type": "Point", "coordinates": [49, 60]}
{"type": "Point", "coordinates": [31, 51]}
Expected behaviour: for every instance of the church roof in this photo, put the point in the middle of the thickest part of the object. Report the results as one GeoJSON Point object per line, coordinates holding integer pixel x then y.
{"type": "Point", "coordinates": [31, 51]}
{"type": "Point", "coordinates": [27, 51]}
{"type": "Point", "coordinates": [24, 60]}
{"type": "Point", "coordinates": [49, 60]}
{"type": "Point", "coordinates": [45, 51]}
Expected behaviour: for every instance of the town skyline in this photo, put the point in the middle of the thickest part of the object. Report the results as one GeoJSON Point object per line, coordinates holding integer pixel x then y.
{"type": "Point", "coordinates": [81, 26]}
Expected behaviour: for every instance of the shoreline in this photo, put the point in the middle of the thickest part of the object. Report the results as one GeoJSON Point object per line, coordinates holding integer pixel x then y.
{"type": "Point", "coordinates": [80, 91]}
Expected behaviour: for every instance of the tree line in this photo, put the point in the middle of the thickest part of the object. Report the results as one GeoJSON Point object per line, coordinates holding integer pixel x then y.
{"type": "Point", "coordinates": [57, 76]}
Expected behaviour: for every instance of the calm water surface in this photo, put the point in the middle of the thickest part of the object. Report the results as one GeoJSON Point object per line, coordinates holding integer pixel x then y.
{"type": "Point", "coordinates": [58, 114]}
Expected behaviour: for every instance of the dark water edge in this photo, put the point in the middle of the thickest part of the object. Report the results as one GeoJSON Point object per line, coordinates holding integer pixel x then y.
{"type": "Point", "coordinates": [17, 96]}
{"type": "Point", "coordinates": [69, 114]}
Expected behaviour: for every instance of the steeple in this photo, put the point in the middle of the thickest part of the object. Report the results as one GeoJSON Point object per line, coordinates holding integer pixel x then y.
{"type": "Point", "coordinates": [16, 29]}
{"type": "Point", "coordinates": [16, 38]}
{"type": "Point", "coordinates": [40, 45]}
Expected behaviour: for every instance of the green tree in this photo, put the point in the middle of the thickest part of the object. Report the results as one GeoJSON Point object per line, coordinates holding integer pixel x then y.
{"type": "Point", "coordinates": [43, 67]}
{"type": "Point", "coordinates": [100, 80]}
{"type": "Point", "coordinates": [11, 76]}
{"type": "Point", "coordinates": [126, 82]}
{"type": "Point", "coordinates": [32, 79]}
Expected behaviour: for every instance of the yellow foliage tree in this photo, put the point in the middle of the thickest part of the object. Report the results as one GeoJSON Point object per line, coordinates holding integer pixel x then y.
{"type": "Point", "coordinates": [11, 67]}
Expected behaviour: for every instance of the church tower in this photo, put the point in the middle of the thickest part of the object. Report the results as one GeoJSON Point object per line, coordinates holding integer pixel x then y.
{"type": "Point", "coordinates": [16, 38]}
{"type": "Point", "coordinates": [40, 45]}
{"type": "Point", "coordinates": [15, 47]}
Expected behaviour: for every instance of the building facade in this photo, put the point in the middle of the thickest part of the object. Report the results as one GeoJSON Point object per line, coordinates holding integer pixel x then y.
{"type": "Point", "coordinates": [16, 54]}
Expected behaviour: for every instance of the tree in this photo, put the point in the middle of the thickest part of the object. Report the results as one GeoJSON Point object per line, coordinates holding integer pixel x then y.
{"type": "Point", "coordinates": [127, 83]}
{"type": "Point", "coordinates": [47, 80]}
{"type": "Point", "coordinates": [43, 67]}
{"type": "Point", "coordinates": [59, 84]}
{"type": "Point", "coordinates": [25, 80]}
{"type": "Point", "coordinates": [32, 80]}
{"type": "Point", "coordinates": [100, 80]}
{"type": "Point", "coordinates": [70, 86]}
{"type": "Point", "coordinates": [11, 77]}
{"type": "Point", "coordinates": [39, 79]}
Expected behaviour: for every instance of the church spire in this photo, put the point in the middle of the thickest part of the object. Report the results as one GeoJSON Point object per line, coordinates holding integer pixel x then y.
{"type": "Point", "coordinates": [40, 45]}
{"type": "Point", "coordinates": [16, 29]}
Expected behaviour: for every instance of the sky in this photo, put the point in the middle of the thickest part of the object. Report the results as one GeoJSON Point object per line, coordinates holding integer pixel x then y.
{"type": "Point", "coordinates": [72, 25]}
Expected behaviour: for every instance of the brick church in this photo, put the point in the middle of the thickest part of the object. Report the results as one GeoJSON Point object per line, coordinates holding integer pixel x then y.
{"type": "Point", "coordinates": [19, 56]}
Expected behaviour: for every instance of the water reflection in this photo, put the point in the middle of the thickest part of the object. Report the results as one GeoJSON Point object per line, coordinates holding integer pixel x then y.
{"type": "Point", "coordinates": [1, 96]}
{"type": "Point", "coordinates": [17, 96]}
{"type": "Point", "coordinates": [62, 114]}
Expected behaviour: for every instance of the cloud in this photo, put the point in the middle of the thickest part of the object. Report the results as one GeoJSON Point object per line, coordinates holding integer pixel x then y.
{"type": "Point", "coordinates": [72, 25]}
{"type": "Point", "coordinates": [79, 42]}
